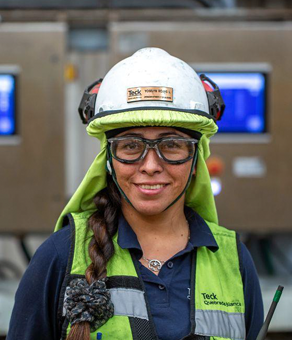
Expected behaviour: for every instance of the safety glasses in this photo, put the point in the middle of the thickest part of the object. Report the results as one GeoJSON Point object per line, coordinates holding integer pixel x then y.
{"type": "Point", "coordinates": [173, 150]}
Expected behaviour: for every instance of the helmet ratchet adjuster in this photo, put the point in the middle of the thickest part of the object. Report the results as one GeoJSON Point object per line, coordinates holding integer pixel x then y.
{"type": "Point", "coordinates": [87, 104]}
{"type": "Point", "coordinates": [215, 100]}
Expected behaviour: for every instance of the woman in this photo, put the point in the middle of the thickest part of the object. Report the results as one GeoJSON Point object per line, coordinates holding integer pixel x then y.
{"type": "Point", "coordinates": [138, 253]}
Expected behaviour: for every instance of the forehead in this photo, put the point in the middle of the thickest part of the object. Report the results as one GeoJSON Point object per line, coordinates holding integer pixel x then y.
{"type": "Point", "coordinates": [152, 132]}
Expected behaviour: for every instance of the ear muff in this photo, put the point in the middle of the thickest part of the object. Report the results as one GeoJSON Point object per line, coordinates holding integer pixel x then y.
{"type": "Point", "coordinates": [215, 100]}
{"type": "Point", "coordinates": [87, 105]}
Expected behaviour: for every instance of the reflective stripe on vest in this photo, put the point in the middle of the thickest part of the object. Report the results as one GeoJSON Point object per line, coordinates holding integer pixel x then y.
{"type": "Point", "coordinates": [129, 302]}
{"type": "Point", "coordinates": [220, 324]}
{"type": "Point", "coordinates": [219, 299]}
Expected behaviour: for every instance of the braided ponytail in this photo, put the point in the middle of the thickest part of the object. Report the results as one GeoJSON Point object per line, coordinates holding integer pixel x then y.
{"type": "Point", "coordinates": [103, 223]}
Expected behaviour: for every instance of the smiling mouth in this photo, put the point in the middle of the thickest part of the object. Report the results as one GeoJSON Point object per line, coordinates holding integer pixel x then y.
{"type": "Point", "coordinates": [152, 187]}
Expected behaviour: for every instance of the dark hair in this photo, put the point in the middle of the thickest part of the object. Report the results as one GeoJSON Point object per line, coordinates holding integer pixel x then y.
{"type": "Point", "coordinates": [104, 223]}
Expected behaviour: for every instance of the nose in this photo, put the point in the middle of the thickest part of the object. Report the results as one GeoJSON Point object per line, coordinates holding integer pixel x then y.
{"type": "Point", "coordinates": [151, 164]}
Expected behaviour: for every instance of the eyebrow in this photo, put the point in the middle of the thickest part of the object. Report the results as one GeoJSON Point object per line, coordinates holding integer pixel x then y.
{"type": "Point", "coordinates": [163, 134]}
{"type": "Point", "coordinates": [169, 133]}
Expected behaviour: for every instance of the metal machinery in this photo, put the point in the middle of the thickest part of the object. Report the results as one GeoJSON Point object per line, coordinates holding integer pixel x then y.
{"type": "Point", "coordinates": [32, 175]}
{"type": "Point", "coordinates": [32, 160]}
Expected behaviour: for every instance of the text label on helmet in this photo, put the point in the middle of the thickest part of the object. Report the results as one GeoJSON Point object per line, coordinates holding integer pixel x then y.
{"type": "Point", "coordinates": [135, 94]}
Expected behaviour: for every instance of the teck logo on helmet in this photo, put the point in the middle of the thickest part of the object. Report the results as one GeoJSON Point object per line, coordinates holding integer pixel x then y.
{"type": "Point", "coordinates": [153, 93]}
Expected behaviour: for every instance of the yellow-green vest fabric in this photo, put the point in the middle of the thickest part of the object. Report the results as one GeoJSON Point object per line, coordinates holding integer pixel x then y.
{"type": "Point", "coordinates": [218, 289]}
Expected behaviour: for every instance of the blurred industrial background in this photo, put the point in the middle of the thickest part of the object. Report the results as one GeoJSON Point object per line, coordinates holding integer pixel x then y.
{"type": "Point", "coordinates": [51, 50]}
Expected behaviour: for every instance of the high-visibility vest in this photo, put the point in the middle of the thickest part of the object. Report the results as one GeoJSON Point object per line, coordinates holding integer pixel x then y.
{"type": "Point", "coordinates": [217, 296]}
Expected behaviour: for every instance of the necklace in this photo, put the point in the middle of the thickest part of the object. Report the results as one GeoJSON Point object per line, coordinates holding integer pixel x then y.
{"type": "Point", "coordinates": [155, 264]}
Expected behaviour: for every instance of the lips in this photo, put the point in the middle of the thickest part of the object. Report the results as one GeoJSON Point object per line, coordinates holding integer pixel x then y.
{"type": "Point", "coordinates": [151, 187]}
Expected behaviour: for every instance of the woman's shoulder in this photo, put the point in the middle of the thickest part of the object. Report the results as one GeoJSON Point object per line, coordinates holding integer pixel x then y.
{"type": "Point", "coordinates": [62, 238]}
{"type": "Point", "coordinates": [58, 243]}
{"type": "Point", "coordinates": [54, 250]}
{"type": "Point", "coordinates": [40, 286]}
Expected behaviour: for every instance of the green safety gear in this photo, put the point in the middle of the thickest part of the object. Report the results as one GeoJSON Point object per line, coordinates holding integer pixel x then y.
{"type": "Point", "coordinates": [217, 298]}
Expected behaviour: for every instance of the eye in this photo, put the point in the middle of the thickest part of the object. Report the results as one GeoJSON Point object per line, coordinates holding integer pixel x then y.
{"type": "Point", "coordinates": [130, 145]}
{"type": "Point", "coordinates": [171, 144]}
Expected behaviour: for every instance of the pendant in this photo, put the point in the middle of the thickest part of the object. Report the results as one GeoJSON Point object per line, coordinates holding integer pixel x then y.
{"type": "Point", "coordinates": [154, 265]}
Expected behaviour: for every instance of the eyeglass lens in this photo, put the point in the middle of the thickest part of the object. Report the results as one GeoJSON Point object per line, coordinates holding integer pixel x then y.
{"type": "Point", "coordinates": [171, 149]}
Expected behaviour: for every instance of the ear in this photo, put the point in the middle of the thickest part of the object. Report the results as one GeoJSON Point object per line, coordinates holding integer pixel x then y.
{"type": "Point", "coordinates": [194, 171]}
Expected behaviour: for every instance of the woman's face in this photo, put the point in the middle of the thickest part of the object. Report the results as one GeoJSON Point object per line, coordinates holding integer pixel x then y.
{"type": "Point", "coordinates": [152, 184]}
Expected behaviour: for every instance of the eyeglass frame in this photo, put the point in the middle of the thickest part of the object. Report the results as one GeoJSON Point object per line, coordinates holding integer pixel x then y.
{"type": "Point", "coordinates": [152, 144]}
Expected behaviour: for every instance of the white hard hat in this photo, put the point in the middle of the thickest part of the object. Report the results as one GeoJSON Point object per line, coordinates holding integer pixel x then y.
{"type": "Point", "coordinates": [152, 80]}
{"type": "Point", "coordinates": [161, 80]}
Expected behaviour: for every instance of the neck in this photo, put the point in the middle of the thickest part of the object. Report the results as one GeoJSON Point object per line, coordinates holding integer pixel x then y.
{"type": "Point", "coordinates": [160, 236]}
{"type": "Point", "coordinates": [167, 221]}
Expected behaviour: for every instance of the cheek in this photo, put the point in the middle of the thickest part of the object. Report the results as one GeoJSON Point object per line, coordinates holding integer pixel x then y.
{"type": "Point", "coordinates": [182, 171]}
{"type": "Point", "coordinates": [123, 171]}
{"type": "Point", "coordinates": [182, 177]}
{"type": "Point", "coordinates": [178, 176]}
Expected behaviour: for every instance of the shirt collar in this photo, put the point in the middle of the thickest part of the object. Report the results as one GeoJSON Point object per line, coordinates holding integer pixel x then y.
{"type": "Point", "coordinates": [200, 233]}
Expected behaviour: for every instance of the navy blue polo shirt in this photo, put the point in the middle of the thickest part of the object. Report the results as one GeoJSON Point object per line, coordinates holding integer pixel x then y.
{"type": "Point", "coordinates": [37, 298]}
{"type": "Point", "coordinates": [169, 292]}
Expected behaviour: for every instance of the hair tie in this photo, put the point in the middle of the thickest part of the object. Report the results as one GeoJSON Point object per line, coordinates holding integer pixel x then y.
{"type": "Point", "coordinates": [89, 303]}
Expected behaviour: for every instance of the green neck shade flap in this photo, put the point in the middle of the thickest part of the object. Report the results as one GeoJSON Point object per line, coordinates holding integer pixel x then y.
{"type": "Point", "coordinates": [199, 194]}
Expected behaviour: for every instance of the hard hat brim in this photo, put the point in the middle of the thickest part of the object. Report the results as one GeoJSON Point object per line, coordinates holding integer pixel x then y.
{"type": "Point", "coordinates": [194, 120]}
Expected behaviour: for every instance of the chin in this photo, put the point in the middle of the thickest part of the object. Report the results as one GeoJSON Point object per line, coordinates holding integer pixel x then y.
{"type": "Point", "coordinates": [150, 208]}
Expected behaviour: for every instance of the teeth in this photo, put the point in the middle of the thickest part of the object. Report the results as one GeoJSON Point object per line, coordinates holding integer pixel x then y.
{"type": "Point", "coordinates": [152, 187]}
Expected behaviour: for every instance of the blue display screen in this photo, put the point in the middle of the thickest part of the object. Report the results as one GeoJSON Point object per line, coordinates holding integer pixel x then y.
{"type": "Point", "coordinates": [7, 104]}
{"type": "Point", "coordinates": [244, 94]}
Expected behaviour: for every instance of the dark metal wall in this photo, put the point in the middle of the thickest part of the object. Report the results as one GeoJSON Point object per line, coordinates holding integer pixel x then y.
{"type": "Point", "coordinates": [32, 165]}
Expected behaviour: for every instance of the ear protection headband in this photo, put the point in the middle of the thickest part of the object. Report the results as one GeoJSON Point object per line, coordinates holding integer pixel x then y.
{"type": "Point", "coordinates": [215, 100]}
{"type": "Point", "coordinates": [87, 104]}
{"type": "Point", "coordinates": [216, 104]}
